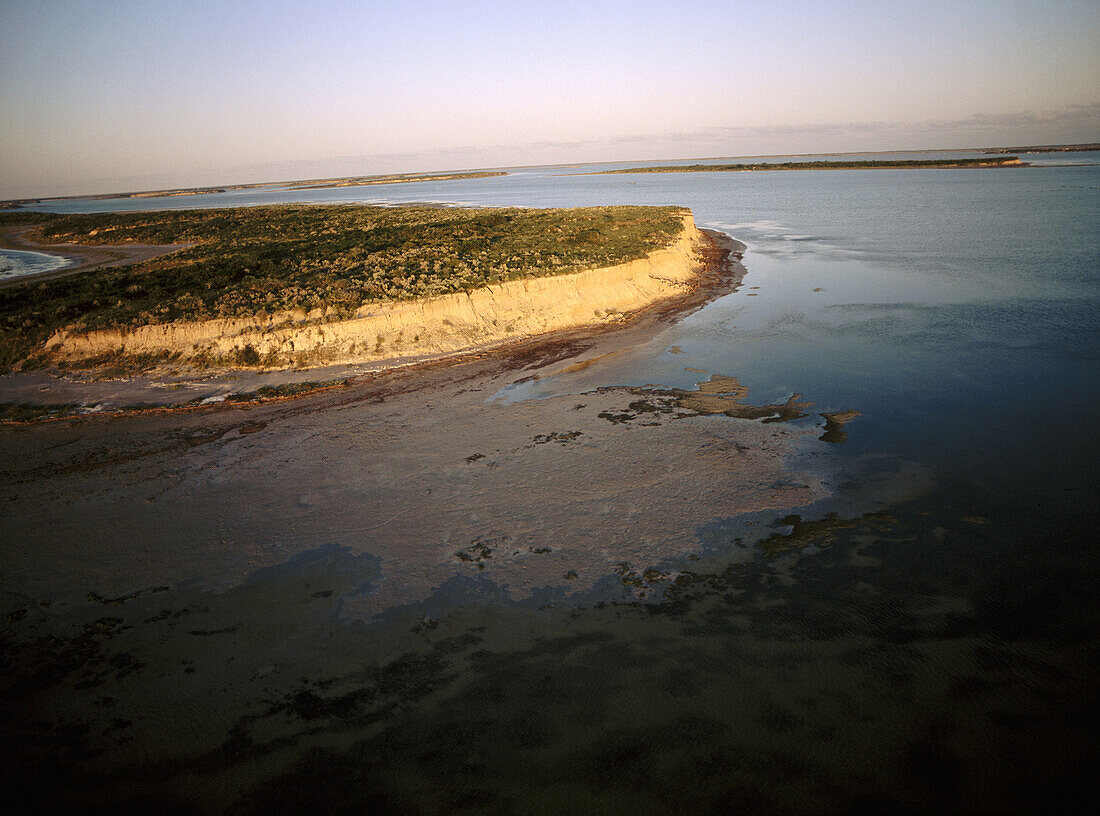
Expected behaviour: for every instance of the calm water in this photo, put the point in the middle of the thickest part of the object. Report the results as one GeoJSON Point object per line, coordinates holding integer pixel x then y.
{"type": "Point", "coordinates": [956, 309]}
{"type": "Point", "coordinates": [15, 263]}
{"type": "Point", "coordinates": [938, 657]}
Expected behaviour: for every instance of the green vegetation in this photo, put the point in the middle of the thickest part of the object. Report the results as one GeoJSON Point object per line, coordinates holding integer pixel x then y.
{"type": "Point", "coordinates": [985, 161]}
{"type": "Point", "coordinates": [332, 259]}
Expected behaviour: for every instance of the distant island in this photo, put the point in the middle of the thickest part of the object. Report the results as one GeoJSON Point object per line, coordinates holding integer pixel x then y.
{"type": "Point", "coordinates": [308, 184]}
{"type": "Point", "coordinates": [400, 178]}
{"type": "Point", "coordinates": [1003, 161]}
{"type": "Point", "coordinates": [1073, 148]}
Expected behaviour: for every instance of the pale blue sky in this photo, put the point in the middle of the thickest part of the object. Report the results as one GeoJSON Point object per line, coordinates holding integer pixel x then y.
{"type": "Point", "coordinates": [110, 96]}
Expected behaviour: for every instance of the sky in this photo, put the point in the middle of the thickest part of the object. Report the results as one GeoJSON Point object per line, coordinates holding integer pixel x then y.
{"type": "Point", "coordinates": [117, 96]}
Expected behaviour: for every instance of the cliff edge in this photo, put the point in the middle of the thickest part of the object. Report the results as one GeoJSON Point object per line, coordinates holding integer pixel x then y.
{"type": "Point", "coordinates": [433, 326]}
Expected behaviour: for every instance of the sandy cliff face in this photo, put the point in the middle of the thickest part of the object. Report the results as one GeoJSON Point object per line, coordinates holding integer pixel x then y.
{"type": "Point", "coordinates": [437, 325]}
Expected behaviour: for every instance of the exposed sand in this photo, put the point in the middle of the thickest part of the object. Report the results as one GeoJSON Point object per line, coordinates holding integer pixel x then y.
{"type": "Point", "coordinates": [419, 470]}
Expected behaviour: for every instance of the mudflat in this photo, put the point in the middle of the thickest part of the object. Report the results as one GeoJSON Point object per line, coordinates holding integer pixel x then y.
{"type": "Point", "coordinates": [168, 574]}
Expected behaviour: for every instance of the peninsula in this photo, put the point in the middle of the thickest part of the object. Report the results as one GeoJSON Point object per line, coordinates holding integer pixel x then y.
{"type": "Point", "coordinates": [301, 286]}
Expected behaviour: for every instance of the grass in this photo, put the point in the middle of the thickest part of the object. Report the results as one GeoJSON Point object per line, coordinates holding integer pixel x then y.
{"type": "Point", "coordinates": [324, 260]}
{"type": "Point", "coordinates": [986, 161]}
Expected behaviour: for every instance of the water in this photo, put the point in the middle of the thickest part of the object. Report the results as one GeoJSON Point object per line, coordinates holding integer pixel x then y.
{"type": "Point", "coordinates": [944, 305]}
{"type": "Point", "coordinates": [936, 655]}
{"type": "Point", "coordinates": [15, 263]}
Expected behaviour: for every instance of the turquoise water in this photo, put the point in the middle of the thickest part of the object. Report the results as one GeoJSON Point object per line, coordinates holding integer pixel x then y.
{"type": "Point", "coordinates": [938, 656]}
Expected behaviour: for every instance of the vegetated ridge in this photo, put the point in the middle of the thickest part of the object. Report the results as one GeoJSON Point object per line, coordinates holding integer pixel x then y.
{"type": "Point", "coordinates": [319, 264]}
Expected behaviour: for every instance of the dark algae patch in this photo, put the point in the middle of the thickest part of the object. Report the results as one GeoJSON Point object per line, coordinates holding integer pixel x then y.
{"type": "Point", "coordinates": [328, 260]}
{"type": "Point", "coordinates": [834, 425]}
{"type": "Point", "coordinates": [820, 533]}
{"type": "Point", "coordinates": [17, 412]}
{"type": "Point", "coordinates": [718, 395]}
{"type": "Point", "coordinates": [726, 395]}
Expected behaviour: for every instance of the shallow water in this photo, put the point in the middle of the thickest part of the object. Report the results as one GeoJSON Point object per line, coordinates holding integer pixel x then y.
{"type": "Point", "coordinates": [16, 263]}
{"type": "Point", "coordinates": [931, 647]}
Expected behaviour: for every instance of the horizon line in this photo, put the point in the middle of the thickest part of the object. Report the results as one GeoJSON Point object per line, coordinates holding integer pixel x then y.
{"type": "Point", "coordinates": [1080, 146]}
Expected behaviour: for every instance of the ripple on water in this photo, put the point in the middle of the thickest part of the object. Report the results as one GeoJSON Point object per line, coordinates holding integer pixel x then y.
{"type": "Point", "coordinates": [15, 263]}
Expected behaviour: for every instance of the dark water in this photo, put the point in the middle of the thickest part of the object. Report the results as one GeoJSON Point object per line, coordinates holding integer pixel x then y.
{"type": "Point", "coordinates": [934, 654]}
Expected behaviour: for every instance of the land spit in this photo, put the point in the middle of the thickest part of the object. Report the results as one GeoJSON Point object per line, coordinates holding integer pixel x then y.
{"type": "Point", "coordinates": [432, 326]}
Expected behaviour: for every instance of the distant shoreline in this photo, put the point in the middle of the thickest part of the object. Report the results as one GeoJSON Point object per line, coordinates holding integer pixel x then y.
{"type": "Point", "coordinates": [364, 181]}
{"type": "Point", "coordinates": [1075, 148]}
{"type": "Point", "coordinates": [940, 164]}
{"type": "Point", "coordinates": [397, 178]}
{"type": "Point", "coordinates": [303, 184]}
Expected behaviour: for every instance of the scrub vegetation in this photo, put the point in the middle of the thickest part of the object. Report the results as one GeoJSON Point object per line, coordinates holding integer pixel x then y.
{"type": "Point", "coordinates": [324, 261]}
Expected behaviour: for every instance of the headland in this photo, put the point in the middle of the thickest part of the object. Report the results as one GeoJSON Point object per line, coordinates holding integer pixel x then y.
{"type": "Point", "coordinates": [598, 269]}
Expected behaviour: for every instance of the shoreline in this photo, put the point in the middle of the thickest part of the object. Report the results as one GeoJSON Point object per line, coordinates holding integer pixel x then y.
{"type": "Point", "coordinates": [84, 257]}
{"type": "Point", "coordinates": [403, 419]}
{"type": "Point", "coordinates": [444, 324]}
{"type": "Point", "coordinates": [719, 273]}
